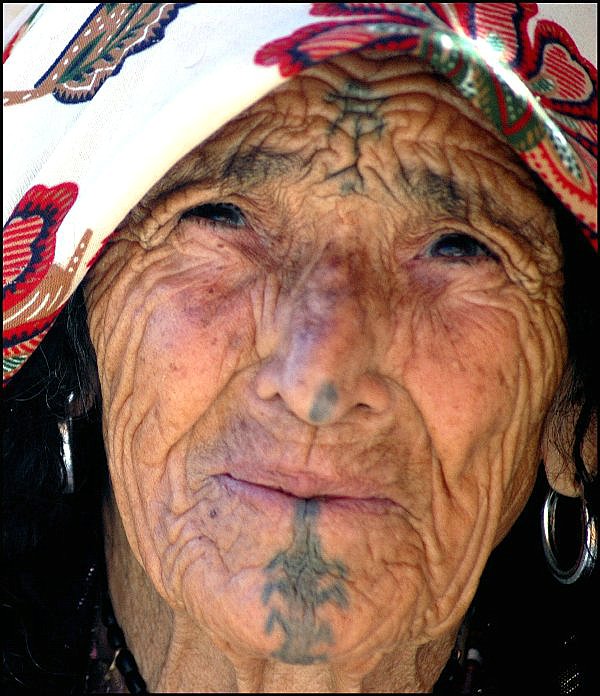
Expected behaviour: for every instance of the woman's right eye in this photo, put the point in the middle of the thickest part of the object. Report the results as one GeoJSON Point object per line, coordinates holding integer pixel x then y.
{"type": "Point", "coordinates": [225, 214]}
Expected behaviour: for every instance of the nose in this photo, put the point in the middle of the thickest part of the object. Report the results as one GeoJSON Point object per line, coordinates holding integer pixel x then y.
{"type": "Point", "coordinates": [322, 365]}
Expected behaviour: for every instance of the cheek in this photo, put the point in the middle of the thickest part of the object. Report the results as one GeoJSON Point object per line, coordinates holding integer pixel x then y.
{"type": "Point", "coordinates": [460, 375]}
{"type": "Point", "coordinates": [196, 338]}
{"type": "Point", "coordinates": [481, 369]}
{"type": "Point", "coordinates": [168, 338]}
{"type": "Point", "coordinates": [193, 344]}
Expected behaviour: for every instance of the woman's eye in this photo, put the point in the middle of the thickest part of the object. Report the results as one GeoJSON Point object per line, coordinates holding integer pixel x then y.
{"type": "Point", "coordinates": [220, 213]}
{"type": "Point", "coordinates": [457, 245]}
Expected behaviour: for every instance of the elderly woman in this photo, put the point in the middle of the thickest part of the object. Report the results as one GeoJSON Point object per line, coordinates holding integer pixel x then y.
{"type": "Point", "coordinates": [334, 313]}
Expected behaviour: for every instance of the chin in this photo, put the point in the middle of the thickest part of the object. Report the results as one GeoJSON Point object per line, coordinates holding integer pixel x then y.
{"type": "Point", "coordinates": [300, 604]}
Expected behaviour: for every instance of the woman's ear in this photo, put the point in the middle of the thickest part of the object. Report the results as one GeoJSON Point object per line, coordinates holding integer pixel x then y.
{"type": "Point", "coordinates": [557, 448]}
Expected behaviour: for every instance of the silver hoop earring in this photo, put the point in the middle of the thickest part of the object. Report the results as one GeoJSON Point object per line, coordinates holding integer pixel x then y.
{"type": "Point", "coordinates": [588, 552]}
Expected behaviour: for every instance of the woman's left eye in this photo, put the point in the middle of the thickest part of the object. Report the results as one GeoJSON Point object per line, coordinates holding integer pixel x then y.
{"type": "Point", "coordinates": [457, 245]}
{"type": "Point", "coordinates": [225, 214]}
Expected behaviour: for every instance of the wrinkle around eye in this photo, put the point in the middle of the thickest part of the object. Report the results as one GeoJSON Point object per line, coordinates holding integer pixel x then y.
{"type": "Point", "coordinates": [220, 242]}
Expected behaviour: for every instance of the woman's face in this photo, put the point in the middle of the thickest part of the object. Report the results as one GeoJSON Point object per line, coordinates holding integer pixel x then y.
{"type": "Point", "coordinates": [326, 350]}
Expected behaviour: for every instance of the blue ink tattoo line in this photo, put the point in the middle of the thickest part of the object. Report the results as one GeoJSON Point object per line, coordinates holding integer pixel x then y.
{"type": "Point", "coordinates": [303, 581]}
{"type": "Point", "coordinates": [324, 402]}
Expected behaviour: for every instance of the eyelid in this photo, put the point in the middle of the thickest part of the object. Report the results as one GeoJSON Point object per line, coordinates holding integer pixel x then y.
{"type": "Point", "coordinates": [214, 208]}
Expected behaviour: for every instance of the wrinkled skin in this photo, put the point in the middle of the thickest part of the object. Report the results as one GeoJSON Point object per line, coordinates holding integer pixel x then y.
{"type": "Point", "coordinates": [322, 412]}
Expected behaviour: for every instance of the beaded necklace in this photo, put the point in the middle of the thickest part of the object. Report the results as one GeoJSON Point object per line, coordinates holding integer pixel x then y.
{"type": "Point", "coordinates": [124, 660]}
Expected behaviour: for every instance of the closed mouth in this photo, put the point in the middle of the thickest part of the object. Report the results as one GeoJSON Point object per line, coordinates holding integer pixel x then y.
{"type": "Point", "coordinates": [265, 493]}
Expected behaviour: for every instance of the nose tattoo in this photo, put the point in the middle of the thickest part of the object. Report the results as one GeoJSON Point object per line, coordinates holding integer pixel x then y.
{"type": "Point", "coordinates": [324, 402]}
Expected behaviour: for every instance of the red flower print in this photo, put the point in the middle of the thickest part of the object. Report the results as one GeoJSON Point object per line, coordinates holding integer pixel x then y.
{"type": "Point", "coordinates": [29, 239]}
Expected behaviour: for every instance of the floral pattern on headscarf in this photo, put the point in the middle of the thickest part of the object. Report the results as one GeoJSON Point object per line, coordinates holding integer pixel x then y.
{"type": "Point", "coordinates": [112, 33]}
{"type": "Point", "coordinates": [33, 288]}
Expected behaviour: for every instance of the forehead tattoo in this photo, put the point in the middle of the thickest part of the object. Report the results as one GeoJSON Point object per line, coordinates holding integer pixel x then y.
{"type": "Point", "coordinates": [359, 116]}
{"type": "Point", "coordinates": [359, 107]}
{"type": "Point", "coordinates": [259, 166]}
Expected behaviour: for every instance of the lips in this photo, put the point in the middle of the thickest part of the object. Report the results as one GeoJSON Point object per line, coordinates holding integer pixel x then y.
{"type": "Point", "coordinates": [290, 489]}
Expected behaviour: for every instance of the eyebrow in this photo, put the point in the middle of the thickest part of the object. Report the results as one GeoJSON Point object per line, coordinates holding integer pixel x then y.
{"type": "Point", "coordinates": [434, 189]}
{"type": "Point", "coordinates": [259, 165]}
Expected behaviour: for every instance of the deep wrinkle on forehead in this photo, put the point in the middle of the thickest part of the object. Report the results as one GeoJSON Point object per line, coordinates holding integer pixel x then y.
{"type": "Point", "coordinates": [242, 171]}
{"type": "Point", "coordinates": [238, 160]}
{"type": "Point", "coordinates": [260, 166]}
